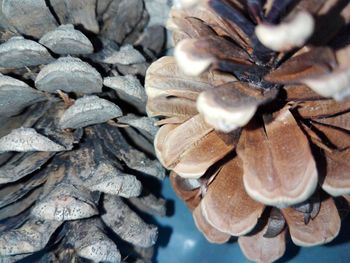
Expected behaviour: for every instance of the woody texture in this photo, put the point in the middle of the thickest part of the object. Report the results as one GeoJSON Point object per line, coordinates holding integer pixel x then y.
{"type": "Point", "coordinates": [254, 116]}
{"type": "Point", "coordinates": [77, 166]}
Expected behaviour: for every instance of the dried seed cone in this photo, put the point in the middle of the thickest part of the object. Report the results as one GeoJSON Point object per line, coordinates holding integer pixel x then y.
{"type": "Point", "coordinates": [255, 119]}
{"type": "Point", "coordinates": [75, 147]}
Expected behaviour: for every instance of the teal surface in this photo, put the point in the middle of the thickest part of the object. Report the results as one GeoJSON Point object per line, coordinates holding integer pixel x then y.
{"type": "Point", "coordinates": [181, 242]}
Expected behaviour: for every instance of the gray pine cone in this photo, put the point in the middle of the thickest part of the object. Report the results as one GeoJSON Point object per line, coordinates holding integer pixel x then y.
{"type": "Point", "coordinates": [75, 148]}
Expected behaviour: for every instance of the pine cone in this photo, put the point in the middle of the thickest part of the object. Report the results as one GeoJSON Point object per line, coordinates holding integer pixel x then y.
{"type": "Point", "coordinates": [255, 106]}
{"type": "Point", "coordinates": [75, 146]}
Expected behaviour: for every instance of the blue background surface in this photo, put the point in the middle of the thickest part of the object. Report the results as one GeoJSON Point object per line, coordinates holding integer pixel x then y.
{"type": "Point", "coordinates": [181, 242]}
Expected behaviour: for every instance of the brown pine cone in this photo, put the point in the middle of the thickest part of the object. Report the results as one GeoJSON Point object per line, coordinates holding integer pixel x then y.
{"type": "Point", "coordinates": [255, 121]}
